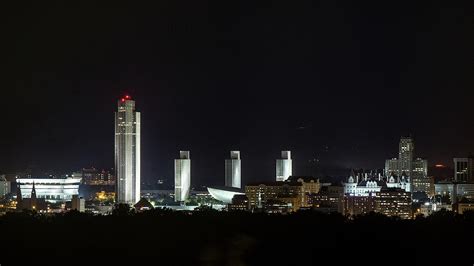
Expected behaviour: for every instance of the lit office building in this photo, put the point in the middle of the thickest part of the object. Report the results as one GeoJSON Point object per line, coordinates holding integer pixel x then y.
{"type": "Point", "coordinates": [96, 177]}
{"type": "Point", "coordinates": [233, 170]}
{"type": "Point", "coordinates": [393, 202]}
{"type": "Point", "coordinates": [328, 199]}
{"type": "Point", "coordinates": [182, 176]}
{"type": "Point", "coordinates": [357, 205]}
{"type": "Point", "coordinates": [50, 189]}
{"type": "Point", "coordinates": [127, 152]}
{"type": "Point", "coordinates": [463, 169]}
{"type": "Point", "coordinates": [405, 155]}
{"type": "Point", "coordinates": [416, 170]}
{"type": "Point", "coordinates": [284, 166]}
{"type": "Point", "coordinates": [461, 190]}
{"type": "Point", "coordinates": [419, 176]}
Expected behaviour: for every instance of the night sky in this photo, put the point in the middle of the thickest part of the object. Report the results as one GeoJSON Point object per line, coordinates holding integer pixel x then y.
{"type": "Point", "coordinates": [337, 83]}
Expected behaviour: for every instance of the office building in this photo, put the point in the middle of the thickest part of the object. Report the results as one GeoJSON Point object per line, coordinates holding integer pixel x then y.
{"type": "Point", "coordinates": [182, 176]}
{"type": "Point", "coordinates": [96, 177]}
{"type": "Point", "coordinates": [233, 170]}
{"type": "Point", "coordinates": [416, 170]}
{"type": "Point", "coordinates": [328, 199]}
{"type": "Point", "coordinates": [393, 202]}
{"type": "Point", "coordinates": [5, 186]}
{"type": "Point", "coordinates": [357, 205]}
{"type": "Point", "coordinates": [463, 169]}
{"type": "Point", "coordinates": [284, 166]}
{"type": "Point", "coordinates": [420, 180]}
{"type": "Point", "coordinates": [78, 203]}
{"type": "Point", "coordinates": [406, 153]}
{"type": "Point", "coordinates": [461, 190]}
{"type": "Point", "coordinates": [260, 194]}
{"type": "Point", "coordinates": [293, 192]}
{"type": "Point", "coordinates": [51, 189]}
{"type": "Point", "coordinates": [127, 152]}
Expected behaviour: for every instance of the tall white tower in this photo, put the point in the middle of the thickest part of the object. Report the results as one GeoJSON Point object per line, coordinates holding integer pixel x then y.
{"type": "Point", "coordinates": [127, 151]}
{"type": "Point", "coordinates": [233, 170]}
{"type": "Point", "coordinates": [182, 176]}
{"type": "Point", "coordinates": [284, 166]}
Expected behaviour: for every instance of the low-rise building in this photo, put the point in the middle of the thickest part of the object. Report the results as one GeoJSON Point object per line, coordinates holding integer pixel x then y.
{"type": "Point", "coordinates": [239, 203]}
{"type": "Point", "coordinates": [329, 199]}
{"type": "Point", "coordinates": [5, 186]}
{"type": "Point", "coordinates": [357, 205]}
{"type": "Point", "coordinates": [393, 202]}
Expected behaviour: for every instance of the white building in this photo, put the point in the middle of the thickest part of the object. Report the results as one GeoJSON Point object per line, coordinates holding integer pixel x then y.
{"type": "Point", "coordinates": [182, 176]}
{"type": "Point", "coordinates": [50, 189]}
{"type": "Point", "coordinates": [233, 170]}
{"type": "Point", "coordinates": [284, 167]}
{"type": "Point", "coordinates": [365, 184]}
{"type": "Point", "coordinates": [127, 152]}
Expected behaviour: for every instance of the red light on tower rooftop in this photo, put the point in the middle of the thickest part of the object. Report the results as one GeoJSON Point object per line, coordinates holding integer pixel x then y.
{"type": "Point", "coordinates": [127, 97]}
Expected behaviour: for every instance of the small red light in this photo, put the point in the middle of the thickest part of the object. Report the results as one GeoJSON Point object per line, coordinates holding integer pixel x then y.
{"type": "Point", "coordinates": [127, 97]}
{"type": "Point", "coordinates": [123, 100]}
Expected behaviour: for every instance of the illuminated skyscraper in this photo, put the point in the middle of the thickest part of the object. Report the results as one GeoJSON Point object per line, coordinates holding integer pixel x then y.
{"type": "Point", "coordinates": [284, 166]}
{"type": "Point", "coordinates": [233, 170]}
{"type": "Point", "coordinates": [127, 152]}
{"type": "Point", "coordinates": [182, 176]}
{"type": "Point", "coordinates": [405, 155]}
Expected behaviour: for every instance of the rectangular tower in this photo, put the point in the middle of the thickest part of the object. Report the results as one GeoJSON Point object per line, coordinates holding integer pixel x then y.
{"type": "Point", "coordinates": [232, 170]}
{"type": "Point", "coordinates": [182, 176]}
{"type": "Point", "coordinates": [127, 152]}
{"type": "Point", "coordinates": [405, 156]}
{"type": "Point", "coordinates": [463, 169]}
{"type": "Point", "coordinates": [284, 166]}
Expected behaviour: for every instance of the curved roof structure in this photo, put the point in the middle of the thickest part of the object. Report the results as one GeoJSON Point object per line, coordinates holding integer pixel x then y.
{"type": "Point", "coordinates": [224, 194]}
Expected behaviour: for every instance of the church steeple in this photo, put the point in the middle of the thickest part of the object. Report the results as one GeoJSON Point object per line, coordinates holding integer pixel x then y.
{"type": "Point", "coordinates": [33, 197]}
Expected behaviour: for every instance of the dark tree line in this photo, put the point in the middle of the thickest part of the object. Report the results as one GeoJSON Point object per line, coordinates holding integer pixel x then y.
{"type": "Point", "coordinates": [209, 237]}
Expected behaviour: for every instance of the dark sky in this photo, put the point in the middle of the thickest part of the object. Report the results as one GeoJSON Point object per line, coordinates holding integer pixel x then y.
{"type": "Point", "coordinates": [332, 80]}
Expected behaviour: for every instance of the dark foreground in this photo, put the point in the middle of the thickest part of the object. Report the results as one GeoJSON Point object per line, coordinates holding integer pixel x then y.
{"type": "Point", "coordinates": [162, 237]}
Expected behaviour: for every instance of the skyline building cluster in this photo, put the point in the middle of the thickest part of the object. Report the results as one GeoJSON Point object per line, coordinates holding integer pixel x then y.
{"type": "Point", "coordinates": [407, 166]}
{"type": "Point", "coordinates": [402, 178]}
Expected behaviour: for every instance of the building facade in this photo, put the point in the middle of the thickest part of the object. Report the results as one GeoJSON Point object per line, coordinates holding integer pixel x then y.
{"type": "Point", "coordinates": [284, 166]}
{"type": "Point", "coordinates": [96, 177]}
{"type": "Point", "coordinates": [357, 205]}
{"type": "Point", "coordinates": [463, 169]}
{"type": "Point", "coordinates": [233, 170]}
{"type": "Point", "coordinates": [127, 152]}
{"type": "Point", "coordinates": [259, 194]}
{"type": "Point", "coordinates": [49, 189]}
{"type": "Point", "coordinates": [5, 186]}
{"type": "Point", "coordinates": [365, 184]}
{"type": "Point", "coordinates": [393, 202]}
{"type": "Point", "coordinates": [405, 165]}
{"type": "Point", "coordinates": [328, 199]}
{"type": "Point", "coordinates": [182, 176]}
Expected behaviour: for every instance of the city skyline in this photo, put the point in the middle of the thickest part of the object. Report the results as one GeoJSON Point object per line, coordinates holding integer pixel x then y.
{"type": "Point", "coordinates": [323, 86]}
